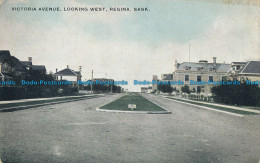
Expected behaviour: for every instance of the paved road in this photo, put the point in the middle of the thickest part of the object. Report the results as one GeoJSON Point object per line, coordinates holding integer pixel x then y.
{"type": "Point", "coordinates": [75, 132]}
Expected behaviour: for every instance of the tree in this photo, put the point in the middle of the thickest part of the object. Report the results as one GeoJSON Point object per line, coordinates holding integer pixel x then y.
{"type": "Point", "coordinates": [186, 89]}
{"type": "Point", "coordinates": [242, 94]}
{"type": "Point", "coordinates": [165, 88]}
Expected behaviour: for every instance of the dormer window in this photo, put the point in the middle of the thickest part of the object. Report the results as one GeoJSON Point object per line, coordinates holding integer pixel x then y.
{"type": "Point", "coordinates": [187, 68]}
{"type": "Point", "coordinates": [212, 69]}
{"type": "Point", "coordinates": [199, 68]}
{"type": "Point", "coordinates": [236, 68]}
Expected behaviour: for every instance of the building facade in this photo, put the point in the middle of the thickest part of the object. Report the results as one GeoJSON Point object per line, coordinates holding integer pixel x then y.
{"type": "Point", "coordinates": [10, 67]}
{"type": "Point", "coordinates": [193, 73]}
{"type": "Point", "coordinates": [68, 74]}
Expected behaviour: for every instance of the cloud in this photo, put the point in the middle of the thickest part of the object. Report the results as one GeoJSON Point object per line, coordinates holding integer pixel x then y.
{"type": "Point", "coordinates": [232, 37]}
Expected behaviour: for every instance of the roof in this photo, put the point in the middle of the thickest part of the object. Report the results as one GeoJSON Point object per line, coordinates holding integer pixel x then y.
{"type": "Point", "coordinates": [5, 75]}
{"type": "Point", "coordinates": [251, 67]}
{"type": "Point", "coordinates": [4, 54]}
{"type": "Point", "coordinates": [238, 63]}
{"type": "Point", "coordinates": [67, 72]}
{"type": "Point", "coordinates": [26, 63]}
{"type": "Point", "coordinates": [193, 66]}
{"type": "Point", "coordinates": [38, 67]}
{"type": "Point", "coordinates": [15, 63]}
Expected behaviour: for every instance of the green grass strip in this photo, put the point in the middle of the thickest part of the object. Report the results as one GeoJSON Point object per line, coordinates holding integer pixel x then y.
{"type": "Point", "coordinates": [214, 107]}
{"type": "Point", "coordinates": [142, 104]}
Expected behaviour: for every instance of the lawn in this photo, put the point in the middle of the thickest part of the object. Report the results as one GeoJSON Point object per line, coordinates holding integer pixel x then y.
{"type": "Point", "coordinates": [142, 104]}
{"type": "Point", "coordinates": [214, 107]}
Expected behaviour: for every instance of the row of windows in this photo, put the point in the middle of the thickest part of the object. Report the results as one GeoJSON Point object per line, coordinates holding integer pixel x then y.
{"type": "Point", "coordinates": [187, 78]}
{"type": "Point", "coordinates": [201, 68]}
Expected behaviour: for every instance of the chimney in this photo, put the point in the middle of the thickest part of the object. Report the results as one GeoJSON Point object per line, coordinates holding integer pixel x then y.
{"type": "Point", "coordinates": [67, 66]}
{"type": "Point", "coordinates": [80, 67]}
{"type": "Point", "coordinates": [30, 59]}
{"type": "Point", "coordinates": [214, 60]}
{"type": "Point", "coordinates": [56, 70]}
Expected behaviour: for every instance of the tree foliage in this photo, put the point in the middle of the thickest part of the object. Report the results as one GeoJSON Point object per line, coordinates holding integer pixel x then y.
{"type": "Point", "coordinates": [165, 88]}
{"type": "Point", "coordinates": [186, 89]}
{"type": "Point", "coordinates": [242, 94]}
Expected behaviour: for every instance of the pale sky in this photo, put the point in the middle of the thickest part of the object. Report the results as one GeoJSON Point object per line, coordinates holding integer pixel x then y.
{"type": "Point", "coordinates": [130, 45]}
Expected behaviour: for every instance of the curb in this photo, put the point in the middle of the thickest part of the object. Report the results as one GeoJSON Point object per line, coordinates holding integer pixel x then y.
{"type": "Point", "coordinates": [155, 103]}
{"type": "Point", "coordinates": [133, 112]}
{"type": "Point", "coordinates": [208, 108]}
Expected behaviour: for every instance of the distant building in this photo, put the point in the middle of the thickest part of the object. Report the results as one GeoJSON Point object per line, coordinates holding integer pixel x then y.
{"type": "Point", "coordinates": [146, 89]}
{"type": "Point", "coordinates": [199, 71]}
{"type": "Point", "coordinates": [167, 77]}
{"type": "Point", "coordinates": [103, 80]}
{"type": "Point", "coordinates": [69, 75]}
{"type": "Point", "coordinates": [245, 70]}
{"type": "Point", "coordinates": [155, 78]}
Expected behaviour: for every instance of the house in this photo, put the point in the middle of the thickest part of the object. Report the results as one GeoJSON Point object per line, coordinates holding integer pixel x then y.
{"type": "Point", "coordinates": [167, 77]}
{"type": "Point", "coordinates": [245, 70]}
{"type": "Point", "coordinates": [29, 66]}
{"type": "Point", "coordinates": [198, 72]}
{"type": "Point", "coordinates": [146, 89]}
{"type": "Point", "coordinates": [69, 75]}
{"type": "Point", "coordinates": [103, 80]}
{"type": "Point", "coordinates": [10, 67]}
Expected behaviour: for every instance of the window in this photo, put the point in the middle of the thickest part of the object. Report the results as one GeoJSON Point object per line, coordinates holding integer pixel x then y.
{"type": "Point", "coordinates": [5, 67]}
{"type": "Point", "coordinates": [212, 69]}
{"type": "Point", "coordinates": [198, 78]}
{"type": "Point", "coordinates": [198, 89]}
{"type": "Point", "coordinates": [211, 78]}
{"type": "Point", "coordinates": [199, 68]}
{"type": "Point", "coordinates": [224, 78]}
{"type": "Point", "coordinates": [186, 77]}
{"type": "Point", "coordinates": [238, 67]}
{"type": "Point", "coordinates": [187, 68]}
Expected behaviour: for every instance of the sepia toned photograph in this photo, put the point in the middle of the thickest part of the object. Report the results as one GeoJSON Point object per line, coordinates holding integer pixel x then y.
{"type": "Point", "coordinates": [114, 81]}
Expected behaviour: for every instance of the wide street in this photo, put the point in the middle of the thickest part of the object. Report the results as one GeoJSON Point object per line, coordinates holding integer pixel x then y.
{"type": "Point", "coordinates": [76, 132]}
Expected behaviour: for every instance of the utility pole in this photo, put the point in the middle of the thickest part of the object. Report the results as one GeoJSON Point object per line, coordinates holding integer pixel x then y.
{"type": "Point", "coordinates": [189, 52]}
{"type": "Point", "coordinates": [111, 87]}
{"type": "Point", "coordinates": [92, 82]}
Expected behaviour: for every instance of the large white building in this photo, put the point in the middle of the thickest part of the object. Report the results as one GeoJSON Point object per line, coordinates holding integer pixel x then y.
{"type": "Point", "coordinates": [198, 72]}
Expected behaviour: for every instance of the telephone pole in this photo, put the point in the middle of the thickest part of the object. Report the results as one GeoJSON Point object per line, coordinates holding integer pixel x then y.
{"type": "Point", "coordinates": [189, 52]}
{"type": "Point", "coordinates": [111, 87]}
{"type": "Point", "coordinates": [92, 82]}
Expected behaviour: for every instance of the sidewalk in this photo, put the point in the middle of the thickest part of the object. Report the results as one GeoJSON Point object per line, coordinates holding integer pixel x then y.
{"type": "Point", "coordinates": [8, 106]}
{"type": "Point", "coordinates": [40, 99]}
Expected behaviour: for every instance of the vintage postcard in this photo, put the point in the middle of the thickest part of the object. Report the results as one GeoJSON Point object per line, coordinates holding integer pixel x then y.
{"type": "Point", "coordinates": [129, 81]}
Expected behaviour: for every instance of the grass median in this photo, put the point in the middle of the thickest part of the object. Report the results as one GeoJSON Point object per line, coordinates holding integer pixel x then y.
{"type": "Point", "coordinates": [142, 104]}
